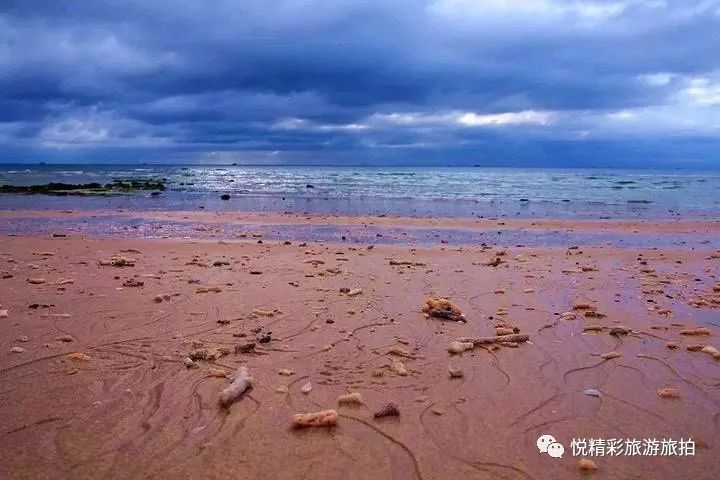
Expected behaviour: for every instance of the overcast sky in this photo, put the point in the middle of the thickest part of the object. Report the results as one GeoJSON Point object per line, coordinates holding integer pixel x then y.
{"type": "Point", "coordinates": [447, 82]}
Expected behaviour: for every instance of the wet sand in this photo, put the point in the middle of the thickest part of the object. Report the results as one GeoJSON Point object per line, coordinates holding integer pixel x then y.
{"type": "Point", "coordinates": [133, 409]}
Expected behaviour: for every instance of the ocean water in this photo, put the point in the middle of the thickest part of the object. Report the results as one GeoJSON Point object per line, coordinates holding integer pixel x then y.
{"type": "Point", "coordinates": [414, 191]}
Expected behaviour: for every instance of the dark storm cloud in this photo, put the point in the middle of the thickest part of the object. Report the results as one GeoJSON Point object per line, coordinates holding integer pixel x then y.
{"type": "Point", "coordinates": [433, 81]}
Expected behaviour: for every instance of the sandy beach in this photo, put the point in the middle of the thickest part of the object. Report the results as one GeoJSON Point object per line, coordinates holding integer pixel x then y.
{"type": "Point", "coordinates": [115, 351]}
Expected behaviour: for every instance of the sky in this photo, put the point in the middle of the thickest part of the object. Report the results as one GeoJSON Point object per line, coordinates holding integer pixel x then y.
{"type": "Point", "coordinates": [626, 83]}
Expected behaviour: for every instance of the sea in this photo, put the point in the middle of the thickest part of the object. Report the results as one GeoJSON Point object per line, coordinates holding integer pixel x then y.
{"type": "Point", "coordinates": [404, 191]}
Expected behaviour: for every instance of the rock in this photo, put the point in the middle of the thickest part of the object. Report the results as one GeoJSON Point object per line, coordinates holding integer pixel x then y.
{"type": "Point", "coordinates": [668, 392]}
{"type": "Point", "coordinates": [587, 465]}
{"type": "Point", "coordinates": [619, 330]}
{"type": "Point", "coordinates": [188, 362]}
{"type": "Point", "coordinates": [158, 298]}
{"type": "Point", "coordinates": [398, 367]}
{"type": "Point", "coordinates": [514, 338]}
{"type": "Point", "coordinates": [610, 355]}
{"type": "Point", "coordinates": [400, 352]}
{"type": "Point", "coordinates": [388, 410]}
{"type": "Point", "coordinates": [245, 348]}
{"type": "Point", "coordinates": [208, 289]}
{"type": "Point", "coordinates": [282, 389]}
{"type": "Point", "coordinates": [592, 392]}
{"type": "Point", "coordinates": [256, 272]}
{"type": "Point", "coordinates": [78, 356]}
{"type": "Point", "coordinates": [207, 354]}
{"type": "Point", "coordinates": [117, 261]}
{"type": "Point", "coordinates": [307, 388]}
{"type": "Point", "coordinates": [241, 382]}
{"type": "Point", "coordinates": [354, 399]}
{"type": "Point", "coordinates": [672, 345]}
{"type": "Point", "coordinates": [593, 328]}
{"type": "Point", "coordinates": [460, 347]}
{"type": "Point", "coordinates": [494, 262]}
{"type": "Point", "coordinates": [36, 281]}
{"type": "Point", "coordinates": [133, 282]}
{"type": "Point", "coordinates": [504, 331]}
{"type": "Point", "coordinates": [285, 372]}
{"type": "Point", "coordinates": [455, 372]}
{"type": "Point", "coordinates": [4, 314]}
{"type": "Point", "coordinates": [581, 305]}
{"type": "Point", "coordinates": [17, 350]}
{"type": "Point", "coordinates": [443, 308]}
{"type": "Point", "coordinates": [225, 196]}
{"type": "Point", "coordinates": [23, 338]}
{"type": "Point", "coordinates": [263, 313]}
{"type": "Point", "coordinates": [325, 418]}
{"type": "Point", "coordinates": [695, 347]}
{"type": "Point", "coordinates": [354, 292]}
{"type": "Point", "coordinates": [712, 351]}
{"type": "Point", "coordinates": [217, 373]}
{"type": "Point", "coordinates": [695, 331]}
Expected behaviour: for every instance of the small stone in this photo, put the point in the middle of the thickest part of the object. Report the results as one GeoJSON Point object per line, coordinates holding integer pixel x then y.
{"type": "Point", "coordinates": [354, 292]}
{"type": "Point", "coordinates": [282, 389]}
{"type": "Point", "coordinates": [3, 314]}
{"type": "Point", "coordinates": [455, 372]}
{"type": "Point", "coordinates": [189, 363]}
{"type": "Point", "coordinates": [23, 338]}
{"type": "Point", "coordinates": [460, 347]}
{"type": "Point", "coordinates": [587, 465]}
{"type": "Point", "coordinates": [79, 356]}
{"type": "Point", "coordinates": [17, 350]}
{"type": "Point", "coordinates": [398, 367]}
{"type": "Point", "coordinates": [610, 355]}
{"type": "Point", "coordinates": [36, 281]}
{"type": "Point", "coordinates": [307, 388]}
{"type": "Point", "coordinates": [695, 331]}
{"type": "Point", "coordinates": [354, 399]}
{"type": "Point", "coordinates": [245, 347]}
{"type": "Point", "coordinates": [158, 298]}
{"type": "Point", "coordinates": [64, 338]}
{"type": "Point", "coordinates": [400, 352]}
{"type": "Point", "coordinates": [668, 392]}
{"type": "Point", "coordinates": [619, 330]}
{"type": "Point", "coordinates": [216, 372]}
{"type": "Point", "coordinates": [325, 418]}
{"type": "Point", "coordinates": [437, 411]}
{"type": "Point", "coordinates": [712, 351]}
{"type": "Point", "coordinates": [592, 392]}
{"type": "Point", "coordinates": [286, 372]}
{"type": "Point", "coordinates": [672, 345]}
{"type": "Point", "coordinates": [388, 410]}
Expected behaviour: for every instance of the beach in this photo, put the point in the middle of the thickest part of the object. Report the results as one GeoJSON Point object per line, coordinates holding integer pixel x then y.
{"type": "Point", "coordinates": [119, 339]}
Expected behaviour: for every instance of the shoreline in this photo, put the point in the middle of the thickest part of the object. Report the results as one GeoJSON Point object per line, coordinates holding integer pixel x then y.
{"type": "Point", "coordinates": [363, 230]}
